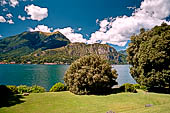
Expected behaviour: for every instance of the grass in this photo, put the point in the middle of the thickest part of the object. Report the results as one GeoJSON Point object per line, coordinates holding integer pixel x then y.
{"type": "Point", "coordinates": [66, 102]}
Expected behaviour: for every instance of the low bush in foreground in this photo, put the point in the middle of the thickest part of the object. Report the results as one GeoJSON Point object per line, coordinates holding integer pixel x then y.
{"type": "Point", "coordinates": [23, 89]}
{"type": "Point", "coordinates": [37, 89]}
{"type": "Point", "coordinates": [128, 88]}
{"type": "Point", "coordinates": [58, 87]}
{"type": "Point", "coordinates": [32, 89]}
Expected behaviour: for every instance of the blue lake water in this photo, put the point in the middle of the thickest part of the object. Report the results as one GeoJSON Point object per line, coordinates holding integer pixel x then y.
{"type": "Point", "coordinates": [47, 75]}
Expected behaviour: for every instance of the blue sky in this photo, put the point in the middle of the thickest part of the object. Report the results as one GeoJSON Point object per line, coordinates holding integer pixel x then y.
{"type": "Point", "coordinates": [88, 21]}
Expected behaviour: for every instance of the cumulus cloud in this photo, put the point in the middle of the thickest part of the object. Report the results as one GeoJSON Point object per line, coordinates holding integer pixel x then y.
{"type": "Point", "coordinates": [21, 18]}
{"type": "Point", "coordinates": [131, 8]}
{"type": "Point", "coordinates": [10, 21]}
{"type": "Point", "coordinates": [36, 12]}
{"type": "Point", "coordinates": [2, 19]}
{"type": "Point", "coordinates": [0, 36]}
{"type": "Point", "coordinates": [3, 2]}
{"type": "Point", "coordinates": [5, 9]}
{"type": "Point", "coordinates": [42, 28]}
{"type": "Point", "coordinates": [13, 3]}
{"type": "Point", "coordinates": [9, 15]}
{"type": "Point", "coordinates": [71, 35]}
{"type": "Point", "coordinates": [79, 29]}
{"type": "Point", "coordinates": [118, 30]}
{"type": "Point", "coordinates": [68, 32]}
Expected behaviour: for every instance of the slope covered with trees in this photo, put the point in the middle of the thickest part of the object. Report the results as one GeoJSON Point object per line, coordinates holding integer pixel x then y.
{"type": "Point", "coordinates": [73, 51]}
{"type": "Point", "coordinates": [28, 42]}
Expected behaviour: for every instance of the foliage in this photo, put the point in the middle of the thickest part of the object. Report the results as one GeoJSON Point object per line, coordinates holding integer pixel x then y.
{"type": "Point", "coordinates": [13, 88]}
{"type": "Point", "coordinates": [90, 75]}
{"type": "Point", "coordinates": [36, 89]}
{"type": "Point", "coordinates": [128, 88]}
{"type": "Point", "coordinates": [32, 89]}
{"type": "Point", "coordinates": [143, 88]}
{"type": "Point", "coordinates": [149, 55]}
{"type": "Point", "coordinates": [23, 89]}
{"type": "Point", "coordinates": [58, 87]}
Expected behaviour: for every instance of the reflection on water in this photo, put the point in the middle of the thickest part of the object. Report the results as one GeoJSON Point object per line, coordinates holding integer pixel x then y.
{"type": "Point", "coordinates": [46, 75]}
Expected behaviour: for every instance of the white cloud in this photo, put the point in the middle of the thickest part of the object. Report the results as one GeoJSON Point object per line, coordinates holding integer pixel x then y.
{"type": "Point", "coordinates": [9, 15]}
{"type": "Point", "coordinates": [79, 29]}
{"type": "Point", "coordinates": [68, 32]}
{"type": "Point", "coordinates": [71, 35]}
{"type": "Point", "coordinates": [0, 36]}
{"type": "Point", "coordinates": [5, 9]}
{"type": "Point", "coordinates": [3, 2]}
{"type": "Point", "coordinates": [2, 19]}
{"type": "Point", "coordinates": [10, 21]}
{"type": "Point", "coordinates": [118, 30]}
{"type": "Point", "coordinates": [21, 18]}
{"type": "Point", "coordinates": [42, 28]}
{"type": "Point", "coordinates": [131, 8]}
{"type": "Point", "coordinates": [36, 12]}
{"type": "Point", "coordinates": [13, 3]}
{"type": "Point", "coordinates": [97, 21]}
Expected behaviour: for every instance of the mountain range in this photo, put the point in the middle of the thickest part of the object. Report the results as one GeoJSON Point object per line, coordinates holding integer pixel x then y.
{"type": "Point", "coordinates": [41, 47]}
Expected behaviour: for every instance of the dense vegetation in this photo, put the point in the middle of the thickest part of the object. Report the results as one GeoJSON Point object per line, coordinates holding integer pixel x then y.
{"type": "Point", "coordinates": [90, 75]}
{"type": "Point", "coordinates": [149, 55]}
{"type": "Point", "coordinates": [12, 48]}
{"type": "Point", "coordinates": [72, 52]}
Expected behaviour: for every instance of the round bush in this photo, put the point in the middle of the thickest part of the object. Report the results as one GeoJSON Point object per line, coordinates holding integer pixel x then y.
{"type": "Point", "coordinates": [58, 87]}
{"type": "Point", "coordinates": [37, 89]}
{"type": "Point", "coordinates": [90, 75]}
{"type": "Point", "coordinates": [128, 88]}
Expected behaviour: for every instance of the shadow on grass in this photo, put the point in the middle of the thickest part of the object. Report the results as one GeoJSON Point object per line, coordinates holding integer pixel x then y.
{"type": "Point", "coordinates": [7, 98]}
{"type": "Point", "coordinates": [105, 93]}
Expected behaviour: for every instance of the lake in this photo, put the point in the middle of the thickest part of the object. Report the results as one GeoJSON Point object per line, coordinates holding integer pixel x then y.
{"type": "Point", "coordinates": [47, 75]}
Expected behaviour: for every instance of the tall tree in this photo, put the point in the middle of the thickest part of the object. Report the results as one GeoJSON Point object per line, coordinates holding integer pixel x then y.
{"type": "Point", "coordinates": [149, 55]}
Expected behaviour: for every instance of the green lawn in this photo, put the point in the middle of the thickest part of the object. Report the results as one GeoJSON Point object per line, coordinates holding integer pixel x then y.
{"type": "Point", "coordinates": [66, 102]}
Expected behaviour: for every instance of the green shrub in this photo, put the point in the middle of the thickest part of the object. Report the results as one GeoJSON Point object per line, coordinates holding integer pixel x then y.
{"type": "Point", "coordinates": [128, 88]}
{"type": "Point", "coordinates": [23, 89]}
{"type": "Point", "coordinates": [13, 88]}
{"type": "Point", "coordinates": [137, 86]}
{"type": "Point", "coordinates": [90, 75]}
{"type": "Point", "coordinates": [58, 87]}
{"type": "Point", "coordinates": [143, 88]}
{"type": "Point", "coordinates": [37, 89]}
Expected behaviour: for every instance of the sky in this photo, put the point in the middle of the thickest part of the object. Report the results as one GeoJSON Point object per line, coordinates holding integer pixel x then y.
{"type": "Point", "coordinates": [89, 21]}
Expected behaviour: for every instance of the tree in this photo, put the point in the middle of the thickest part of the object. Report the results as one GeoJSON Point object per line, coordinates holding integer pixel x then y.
{"type": "Point", "coordinates": [90, 75]}
{"type": "Point", "coordinates": [149, 55]}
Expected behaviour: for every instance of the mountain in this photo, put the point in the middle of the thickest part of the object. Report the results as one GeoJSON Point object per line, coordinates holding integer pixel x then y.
{"type": "Point", "coordinates": [123, 56]}
{"type": "Point", "coordinates": [71, 52]}
{"type": "Point", "coordinates": [28, 42]}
